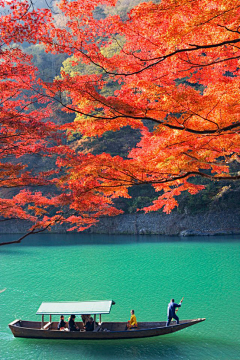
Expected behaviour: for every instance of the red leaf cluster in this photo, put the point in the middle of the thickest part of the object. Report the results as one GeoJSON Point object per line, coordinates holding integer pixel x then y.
{"type": "Point", "coordinates": [176, 66]}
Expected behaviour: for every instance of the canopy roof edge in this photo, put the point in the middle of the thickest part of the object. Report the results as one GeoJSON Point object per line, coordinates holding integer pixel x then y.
{"type": "Point", "coordinates": [93, 307]}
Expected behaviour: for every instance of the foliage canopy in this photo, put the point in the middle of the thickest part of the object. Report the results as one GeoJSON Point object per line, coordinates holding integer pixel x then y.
{"type": "Point", "coordinates": [173, 64]}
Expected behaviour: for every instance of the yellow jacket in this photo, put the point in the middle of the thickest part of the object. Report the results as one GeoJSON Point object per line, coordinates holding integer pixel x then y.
{"type": "Point", "coordinates": [133, 320]}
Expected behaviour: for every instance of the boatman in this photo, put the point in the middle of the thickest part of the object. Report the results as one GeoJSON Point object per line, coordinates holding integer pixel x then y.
{"type": "Point", "coordinates": [171, 311]}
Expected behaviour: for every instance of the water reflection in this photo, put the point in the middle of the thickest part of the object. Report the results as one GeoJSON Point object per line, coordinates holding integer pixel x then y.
{"type": "Point", "coordinates": [187, 347]}
{"type": "Point", "coordinates": [50, 239]}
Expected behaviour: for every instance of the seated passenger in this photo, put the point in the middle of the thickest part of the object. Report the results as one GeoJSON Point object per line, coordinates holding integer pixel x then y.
{"type": "Point", "coordinates": [132, 323]}
{"type": "Point", "coordinates": [85, 319]}
{"type": "Point", "coordinates": [71, 324]}
{"type": "Point", "coordinates": [61, 324]}
{"type": "Point", "coordinates": [89, 325]}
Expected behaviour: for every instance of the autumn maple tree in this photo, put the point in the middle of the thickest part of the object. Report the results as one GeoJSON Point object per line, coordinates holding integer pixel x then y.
{"type": "Point", "coordinates": [24, 130]}
{"type": "Point", "coordinates": [173, 64]}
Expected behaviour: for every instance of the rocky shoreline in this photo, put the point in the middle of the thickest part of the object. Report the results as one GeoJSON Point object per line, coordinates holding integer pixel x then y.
{"type": "Point", "coordinates": [175, 224]}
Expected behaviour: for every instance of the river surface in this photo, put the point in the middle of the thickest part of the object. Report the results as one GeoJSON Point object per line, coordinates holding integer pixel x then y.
{"type": "Point", "coordinates": [137, 272]}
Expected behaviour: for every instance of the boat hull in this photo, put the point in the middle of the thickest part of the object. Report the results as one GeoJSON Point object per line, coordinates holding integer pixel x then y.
{"type": "Point", "coordinates": [107, 331]}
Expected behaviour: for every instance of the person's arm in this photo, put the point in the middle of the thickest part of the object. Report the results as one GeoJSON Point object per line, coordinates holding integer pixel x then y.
{"type": "Point", "coordinates": [177, 305]}
{"type": "Point", "coordinates": [180, 304]}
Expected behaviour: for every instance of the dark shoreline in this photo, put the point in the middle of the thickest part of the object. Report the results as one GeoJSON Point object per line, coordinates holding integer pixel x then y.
{"type": "Point", "coordinates": [174, 224]}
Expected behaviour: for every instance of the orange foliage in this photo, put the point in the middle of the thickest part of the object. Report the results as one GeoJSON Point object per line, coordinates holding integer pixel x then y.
{"type": "Point", "coordinates": [178, 67]}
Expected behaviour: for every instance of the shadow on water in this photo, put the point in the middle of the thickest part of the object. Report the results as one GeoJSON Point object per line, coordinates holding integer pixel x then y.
{"type": "Point", "coordinates": [8, 251]}
{"type": "Point", "coordinates": [151, 348]}
{"type": "Point", "coordinates": [50, 239]}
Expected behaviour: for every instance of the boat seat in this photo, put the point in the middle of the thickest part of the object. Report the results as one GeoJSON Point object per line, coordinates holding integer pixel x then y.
{"type": "Point", "coordinates": [97, 328]}
{"type": "Point", "coordinates": [47, 326]}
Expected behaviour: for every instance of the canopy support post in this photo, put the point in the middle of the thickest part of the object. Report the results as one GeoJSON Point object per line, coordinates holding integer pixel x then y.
{"type": "Point", "coordinates": [42, 321]}
{"type": "Point", "coordinates": [100, 318]}
{"type": "Point", "coordinates": [50, 318]}
{"type": "Point", "coordinates": [94, 325]}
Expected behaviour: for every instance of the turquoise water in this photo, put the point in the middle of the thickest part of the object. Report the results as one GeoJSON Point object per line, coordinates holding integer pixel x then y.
{"type": "Point", "coordinates": [142, 273]}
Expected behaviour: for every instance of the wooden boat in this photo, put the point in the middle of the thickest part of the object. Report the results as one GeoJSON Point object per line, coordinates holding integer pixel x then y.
{"type": "Point", "coordinates": [102, 330]}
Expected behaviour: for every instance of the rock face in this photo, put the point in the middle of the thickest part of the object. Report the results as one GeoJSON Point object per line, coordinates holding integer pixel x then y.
{"type": "Point", "coordinates": [217, 223]}
{"type": "Point", "coordinates": [173, 224]}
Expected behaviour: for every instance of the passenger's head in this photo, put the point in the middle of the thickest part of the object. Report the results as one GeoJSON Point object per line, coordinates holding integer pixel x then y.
{"type": "Point", "coordinates": [62, 317]}
{"type": "Point", "coordinates": [132, 312]}
{"type": "Point", "coordinates": [73, 317]}
{"type": "Point", "coordinates": [172, 300]}
{"type": "Point", "coordinates": [91, 319]}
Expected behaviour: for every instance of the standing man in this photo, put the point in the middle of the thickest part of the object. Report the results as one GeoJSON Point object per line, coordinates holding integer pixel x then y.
{"type": "Point", "coordinates": [171, 311]}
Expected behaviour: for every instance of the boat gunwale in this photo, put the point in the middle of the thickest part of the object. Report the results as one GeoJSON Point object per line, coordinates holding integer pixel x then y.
{"type": "Point", "coordinates": [13, 324]}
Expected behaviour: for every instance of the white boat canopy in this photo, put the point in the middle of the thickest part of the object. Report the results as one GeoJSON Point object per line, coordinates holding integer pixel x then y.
{"type": "Point", "coordinates": [94, 307]}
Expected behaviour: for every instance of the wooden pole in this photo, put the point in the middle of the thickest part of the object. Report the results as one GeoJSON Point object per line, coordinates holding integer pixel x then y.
{"type": "Point", "coordinates": [42, 321]}
{"type": "Point", "coordinates": [180, 302]}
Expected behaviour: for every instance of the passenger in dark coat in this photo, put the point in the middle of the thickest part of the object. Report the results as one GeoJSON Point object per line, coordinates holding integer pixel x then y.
{"type": "Point", "coordinates": [85, 319]}
{"type": "Point", "coordinates": [171, 311]}
{"type": "Point", "coordinates": [89, 325]}
{"type": "Point", "coordinates": [61, 324]}
{"type": "Point", "coordinates": [71, 324]}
